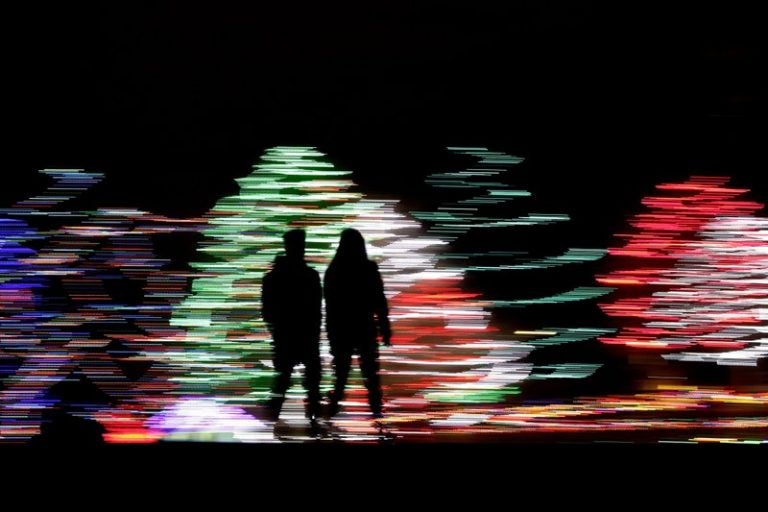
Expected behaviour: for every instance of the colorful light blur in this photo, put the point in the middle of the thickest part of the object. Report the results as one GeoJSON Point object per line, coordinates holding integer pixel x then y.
{"type": "Point", "coordinates": [172, 356]}
{"type": "Point", "coordinates": [695, 275]}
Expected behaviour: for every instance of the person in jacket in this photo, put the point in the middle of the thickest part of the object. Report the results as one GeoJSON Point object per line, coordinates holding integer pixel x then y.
{"type": "Point", "coordinates": [356, 314]}
{"type": "Point", "coordinates": [292, 309]}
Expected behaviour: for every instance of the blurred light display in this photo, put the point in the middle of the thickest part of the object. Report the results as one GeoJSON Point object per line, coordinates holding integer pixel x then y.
{"type": "Point", "coordinates": [695, 277]}
{"type": "Point", "coordinates": [95, 325]}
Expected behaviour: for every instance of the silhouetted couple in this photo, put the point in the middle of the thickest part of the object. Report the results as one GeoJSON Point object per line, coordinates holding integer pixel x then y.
{"type": "Point", "coordinates": [355, 309]}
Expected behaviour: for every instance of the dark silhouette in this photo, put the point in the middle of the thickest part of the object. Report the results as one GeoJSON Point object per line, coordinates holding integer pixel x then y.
{"type": "Point", "coordinates": [354, 302]}
{"type": "Point", "coordinates": [291, 306]}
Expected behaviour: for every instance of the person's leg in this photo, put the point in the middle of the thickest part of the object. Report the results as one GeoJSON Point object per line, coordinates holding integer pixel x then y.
{"type": "Point", "coordinates": [369, 366]}
{"type": "Point", "coordinates": [312, 374]}
{"type": "Point", "coordinates": [284, 368]}
{"type": "Point", "coordinates": [341, 363]}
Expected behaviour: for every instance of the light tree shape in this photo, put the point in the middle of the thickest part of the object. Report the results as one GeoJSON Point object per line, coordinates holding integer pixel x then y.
{"type": "Point", "coordinates": [77, 319]}
{"type": "Point", "coordinates": [670, 250]}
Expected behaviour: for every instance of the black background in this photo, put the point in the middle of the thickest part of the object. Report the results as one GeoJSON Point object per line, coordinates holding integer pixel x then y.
{"type": "Point", "coordinates": [172, 101]}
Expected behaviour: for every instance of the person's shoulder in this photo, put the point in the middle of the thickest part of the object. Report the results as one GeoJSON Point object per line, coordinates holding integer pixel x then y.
{"type": "Point", "coordinates": [276, 269]}
{"type": "Point", "coordinates": [330, 269]}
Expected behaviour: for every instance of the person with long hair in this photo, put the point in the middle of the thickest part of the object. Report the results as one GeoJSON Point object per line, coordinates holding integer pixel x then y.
{"type": "Point", "coordinates": [356, 314]}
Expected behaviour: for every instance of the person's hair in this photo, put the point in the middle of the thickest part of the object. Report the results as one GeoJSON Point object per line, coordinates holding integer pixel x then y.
{"type": "Point", "coordinates": [294, 236]}
{"type": "Point", "coordinates": [293, 241]}
{"type": "Point", "coordinates": [351, 248]}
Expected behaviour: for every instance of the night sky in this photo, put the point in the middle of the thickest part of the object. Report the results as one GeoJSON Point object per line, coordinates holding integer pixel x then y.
{"type": "Point", "coordinates": [603, 101]}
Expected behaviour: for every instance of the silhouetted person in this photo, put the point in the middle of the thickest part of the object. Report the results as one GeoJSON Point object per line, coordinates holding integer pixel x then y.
{"type": "Point", "coordinates": [356, 311]}
{"type": "Point", "coordinates": [291, 306]}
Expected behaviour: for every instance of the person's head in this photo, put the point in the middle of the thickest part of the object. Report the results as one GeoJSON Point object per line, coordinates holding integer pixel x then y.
{"type": "Point", "coordinates": [351, 246]}
{"type": "Point", "coordinates": [294, 242]}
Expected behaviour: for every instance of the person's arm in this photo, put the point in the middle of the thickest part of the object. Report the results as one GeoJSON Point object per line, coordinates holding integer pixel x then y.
{"type": "Point", "coordinates": [329, 305]}
{"type": "Point", "coordinates": [267, 300]}
{"type": "Point", "coordinates": [381, 307]}
{"type": "Point", "coordinates": [317, 301]}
